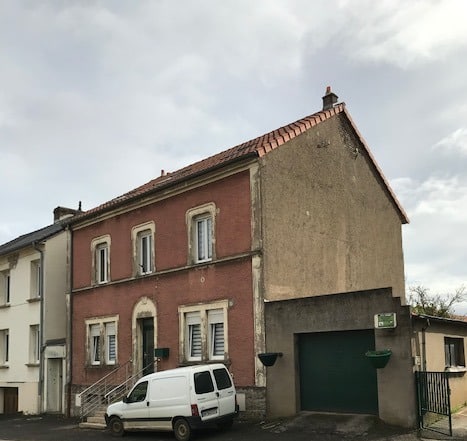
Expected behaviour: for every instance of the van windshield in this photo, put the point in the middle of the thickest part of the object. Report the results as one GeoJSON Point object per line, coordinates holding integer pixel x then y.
{"type": "Point", "coordinates": [222, 379]}
{"type": "Point", "coordinates": [203, 382]}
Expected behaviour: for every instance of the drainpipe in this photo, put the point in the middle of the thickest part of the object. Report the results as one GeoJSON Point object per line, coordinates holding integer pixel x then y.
{"type": "Point", "coordinates": [424, 344]}
{"type": "Point", "coordinates": [69, 330]}
{"type": "Point", "coordinates": [41, 326]}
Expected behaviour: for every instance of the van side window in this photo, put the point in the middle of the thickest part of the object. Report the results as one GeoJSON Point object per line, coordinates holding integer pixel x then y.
{"type": "Point", "coordinates": [138, 393]}
{"type": "Point", "coordinates": [203, 382]}
{"type": "Point", "coordinates": [222, 379]}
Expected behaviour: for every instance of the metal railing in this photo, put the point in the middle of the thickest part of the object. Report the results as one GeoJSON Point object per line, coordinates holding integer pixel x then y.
{"type": "Point", "coordinates": [434, 404]}
{"type": "Point", "coordinates": [93, 397]}
{"type": "Point", "coordinates": [112, 387]}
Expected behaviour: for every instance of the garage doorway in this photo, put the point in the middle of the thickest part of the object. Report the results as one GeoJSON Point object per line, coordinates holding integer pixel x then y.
{"type": "Point", "coordinates": [10, 400]}
{"type": "Point", "coordinates": [335, 375]}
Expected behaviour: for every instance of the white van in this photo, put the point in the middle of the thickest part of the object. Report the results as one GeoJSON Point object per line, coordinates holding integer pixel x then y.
{"type": "Point", "coordinates": [180, 399]}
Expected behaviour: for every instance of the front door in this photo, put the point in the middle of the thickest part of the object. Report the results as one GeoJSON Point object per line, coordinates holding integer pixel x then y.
{"type": "Point", "coordinates": [147, 328]}
{"type": "Point", "coordinates": [54, 385]}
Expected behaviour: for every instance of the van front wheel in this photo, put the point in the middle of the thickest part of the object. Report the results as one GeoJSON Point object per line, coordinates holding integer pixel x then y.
{"type": "Point", "coordinates": [116, 426]}
{"type": "Point", "coordinates": [182, 430]}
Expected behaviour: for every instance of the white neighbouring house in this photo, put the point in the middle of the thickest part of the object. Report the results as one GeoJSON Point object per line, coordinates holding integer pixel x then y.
{"type": "Point", "coordinates": [34, 282]}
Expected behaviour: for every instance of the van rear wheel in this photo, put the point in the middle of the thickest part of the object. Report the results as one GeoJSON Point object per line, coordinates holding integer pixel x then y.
{"type": "Point", "coordinates": [116, 426]}
{"type": "Point", "coordinates": [182, 430]}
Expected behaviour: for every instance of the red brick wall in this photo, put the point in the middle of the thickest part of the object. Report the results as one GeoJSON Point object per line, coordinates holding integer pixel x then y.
{"type": "Point", "coordinates": [229, 280]}
{"type": "Point", "coordinates": [233, 229]}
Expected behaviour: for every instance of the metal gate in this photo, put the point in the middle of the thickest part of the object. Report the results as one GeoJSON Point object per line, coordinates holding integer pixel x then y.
{"type": "Point", "coordinates": [434, 404]}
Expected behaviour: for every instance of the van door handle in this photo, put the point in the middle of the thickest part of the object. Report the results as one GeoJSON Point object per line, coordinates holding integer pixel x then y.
{"type": "Point", "coordinates": [217, 394]}
{"type": "Point", "coordinates": [147, 403]}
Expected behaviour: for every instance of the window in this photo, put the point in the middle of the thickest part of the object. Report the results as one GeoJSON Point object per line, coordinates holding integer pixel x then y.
{"type": "Point", "coordinates": [201, 233]}
{"type": "Point", "coordinates": [222, 377]}
{"type": "Point", "coordinates": [34, 344]}
{"type": "Point", "coordinates": [138, 393]}
{"type": "Point", "coordinates": [4, 346]}
{"type": "Point", "coordinates": [4, 287]}
{"type": "Point", "coordinates": [95, 335]}
{"type": "Point", "coordinates": [454, 352]}
{"type": "Point", "coordinates": [203, 382]}
{"type": "Point", "coordinates": [193, 322]}
{"type": "Point", "coordinates": [216, 334]}
{"type": "Point", "coordinates": [203, 240]}
{"type": "Point", "coordinates": [102, 341]}
{"type": "Point", "coordinates": [100, 248]}
{"type": "Point", "coordinates": [203, 331]}
{"type": "Point", "coordinates": [36, 276]}
{"type": "Point", "coordinates": [145, 252]}
{"type": "Point", "coordinates": [102, 263]}
{"type": "Point", "coordinates": [110, 343]}
{"type": "Point", "coordinates": [143, 248]}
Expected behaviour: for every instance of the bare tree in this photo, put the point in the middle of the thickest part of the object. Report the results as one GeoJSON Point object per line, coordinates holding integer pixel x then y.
{"type": "Point", "coordinates": [437, 305]}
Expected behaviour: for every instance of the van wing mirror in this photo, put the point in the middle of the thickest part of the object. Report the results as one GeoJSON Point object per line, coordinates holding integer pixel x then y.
{"type": "Point", "coordinates": [125, 399]}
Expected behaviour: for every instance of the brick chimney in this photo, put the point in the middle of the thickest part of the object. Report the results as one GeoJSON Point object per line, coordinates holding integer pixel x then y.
{"type": "Point", "coordinates": [63, 212]}
{"type": "Point", "coordinates": [329, 99]}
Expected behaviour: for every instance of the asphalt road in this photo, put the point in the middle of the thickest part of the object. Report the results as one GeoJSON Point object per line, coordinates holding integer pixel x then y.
{"type": "Point", "coordinates": [305, 427]}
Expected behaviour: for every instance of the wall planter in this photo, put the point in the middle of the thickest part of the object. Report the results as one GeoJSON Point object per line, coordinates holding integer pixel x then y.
{"type": "Point", "coordinates": [269, 358]}
{"type": "Point", "coordinates": [379, 359]}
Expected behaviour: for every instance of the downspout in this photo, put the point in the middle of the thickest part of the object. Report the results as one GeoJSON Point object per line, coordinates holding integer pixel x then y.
{"type": "Point", "coordinates": [69, 330]}
{"type": "Point", "coordinates": [41, 326]}
{"type": "Point", "coordinates": [424, 345]}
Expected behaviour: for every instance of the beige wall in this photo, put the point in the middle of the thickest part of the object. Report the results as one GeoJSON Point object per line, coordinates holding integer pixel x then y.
{"type": "Point", "coordinates": [55, 287]}
{"type": "Point", "coordinates": [430, 349]}
{"type": "Point", "coordinates": [329, 225]}
{"type": "Point", "coordinates": [286, 320]}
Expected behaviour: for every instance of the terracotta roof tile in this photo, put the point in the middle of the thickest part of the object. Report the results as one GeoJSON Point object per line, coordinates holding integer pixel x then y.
{"type": "Point", "coordinates": [257, 147]}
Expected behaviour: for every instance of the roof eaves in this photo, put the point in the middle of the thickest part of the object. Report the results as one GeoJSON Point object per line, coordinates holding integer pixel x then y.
{"type": "Point", "coordinates": [29, 239]}
{"type": "Point", "coordinates": [134, 195]}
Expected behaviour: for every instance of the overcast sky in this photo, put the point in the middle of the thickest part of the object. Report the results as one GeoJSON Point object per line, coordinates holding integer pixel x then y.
{"type": "Point", "coordinates": [98, 96]}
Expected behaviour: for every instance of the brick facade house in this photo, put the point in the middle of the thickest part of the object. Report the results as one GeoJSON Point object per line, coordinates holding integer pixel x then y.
{"type": "Point", "coordinates": [208, 262]}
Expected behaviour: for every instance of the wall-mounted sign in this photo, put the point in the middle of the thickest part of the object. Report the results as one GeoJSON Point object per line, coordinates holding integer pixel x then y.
{"type": "Point", "coordinates": [385, 320]}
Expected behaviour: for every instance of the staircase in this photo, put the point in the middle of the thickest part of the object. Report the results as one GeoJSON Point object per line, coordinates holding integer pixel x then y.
{"type": "Point", "coordinates": [109, 389]}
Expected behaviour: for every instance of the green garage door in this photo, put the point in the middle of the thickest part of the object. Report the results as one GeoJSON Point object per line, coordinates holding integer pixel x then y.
{"type": "Point", "coordinates": [335, 375]}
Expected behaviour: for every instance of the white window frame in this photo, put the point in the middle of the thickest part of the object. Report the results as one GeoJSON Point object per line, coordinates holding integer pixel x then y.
{"type": "Point", "coordinates": [34, 344]}
{"type": "Point", "coordinates": [143, 239]}
{"type": "Point", "coordinates": [5, 285]}
{"type": "Point", "coordinates": [205, 315]}
{"type": "Point", "coordinates": [216, 321]}
{"type": "Point", "coordinates": [102, 258]}
{"type": "Point", "coordinates": [95, 344]}
{"type": "Point", "coordinates": [145, 252]}
{"type": "Point", "coordinates": [100, 251]}
{"type": "Point", "coordinates": [4, 347]}
{"type": "Point", "coordinates": [36, 276]}
{"type": "Point", "coordinates": [110, 332]}
{"type": "Point", "coordinates": [201, 219]}
{"type": "Point", "coordinates": [98, 335]}
{"type": "Point", "coordinates": [194, 345]}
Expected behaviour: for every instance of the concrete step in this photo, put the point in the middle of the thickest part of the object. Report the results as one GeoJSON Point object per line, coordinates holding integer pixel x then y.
{"type": "Point", "coordinates": [87, 425]}
{"type": "Point", "coordinates": [95, 419]}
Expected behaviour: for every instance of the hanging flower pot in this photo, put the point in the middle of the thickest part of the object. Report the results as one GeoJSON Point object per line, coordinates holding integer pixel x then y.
{"type": "Point", "coordinates": [379, 359]}
{"type": "Point", "coordinates": [269, 358]}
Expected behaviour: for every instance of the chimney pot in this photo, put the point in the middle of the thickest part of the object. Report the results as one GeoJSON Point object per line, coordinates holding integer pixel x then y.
{"type": "Point", "coordinates": [329, 99]}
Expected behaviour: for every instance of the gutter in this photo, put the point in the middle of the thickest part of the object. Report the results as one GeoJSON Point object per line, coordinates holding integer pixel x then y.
{"type": "Point", "coordinates": [41, 326]}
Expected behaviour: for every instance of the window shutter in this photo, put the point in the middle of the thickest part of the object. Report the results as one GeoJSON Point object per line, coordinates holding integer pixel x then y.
{"type": "Point", "coordinates": [111, 342]}
{"type": "Point", "coordinates": [194, 348]}
{"type": "Point", "coordinates": [216, 333]}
